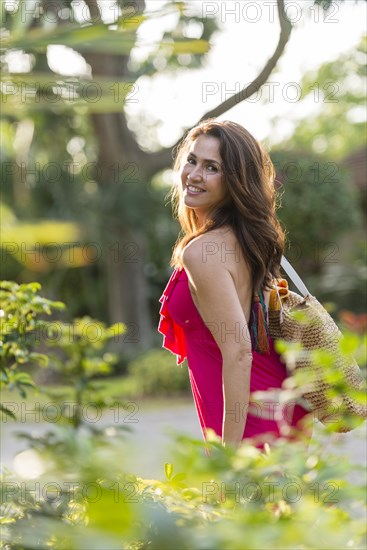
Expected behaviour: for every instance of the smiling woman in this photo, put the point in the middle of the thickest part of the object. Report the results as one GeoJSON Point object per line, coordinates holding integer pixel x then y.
{"type": "Point", "coordinates": [214, 307]}
{"type": "Point", "coordinates": [203, 184]}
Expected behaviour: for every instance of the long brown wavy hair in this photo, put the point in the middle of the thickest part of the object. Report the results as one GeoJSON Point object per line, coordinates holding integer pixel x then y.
{"type": "Point", "coordinates": [250, 209]}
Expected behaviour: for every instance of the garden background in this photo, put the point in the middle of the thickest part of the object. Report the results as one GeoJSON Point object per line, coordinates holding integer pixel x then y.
{"type": "Point", "coordinates": [95, 95]}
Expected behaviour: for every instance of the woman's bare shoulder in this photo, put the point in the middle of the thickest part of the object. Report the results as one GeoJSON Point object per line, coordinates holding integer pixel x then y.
{"type": "Point", "coordinates": [210, 245]}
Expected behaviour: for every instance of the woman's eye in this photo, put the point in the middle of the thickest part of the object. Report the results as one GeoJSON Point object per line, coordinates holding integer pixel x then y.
{"type": "Point", "coordinates": [190, 160]}
{"type": "Point", "coordinates": [211, 168]}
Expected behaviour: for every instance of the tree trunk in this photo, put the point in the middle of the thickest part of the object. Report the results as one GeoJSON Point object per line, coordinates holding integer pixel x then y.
{"type": "Point", "coordinates": [128, 292]}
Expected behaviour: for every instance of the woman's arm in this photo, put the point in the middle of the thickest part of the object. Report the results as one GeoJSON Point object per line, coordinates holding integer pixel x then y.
{"type": "Point", "coordinates": [220, 309]}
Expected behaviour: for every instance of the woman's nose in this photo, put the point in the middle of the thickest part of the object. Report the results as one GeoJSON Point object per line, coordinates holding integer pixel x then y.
{"type": "Point", "coordinates": [196, 173]}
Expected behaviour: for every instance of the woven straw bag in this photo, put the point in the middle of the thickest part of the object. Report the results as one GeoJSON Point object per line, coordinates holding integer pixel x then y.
{"type": "Point", "coordinates": [315, 329]}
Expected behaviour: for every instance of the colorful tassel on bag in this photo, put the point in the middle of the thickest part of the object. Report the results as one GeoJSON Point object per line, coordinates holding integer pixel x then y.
{"type": "Point", "coordinates": [259, 326]}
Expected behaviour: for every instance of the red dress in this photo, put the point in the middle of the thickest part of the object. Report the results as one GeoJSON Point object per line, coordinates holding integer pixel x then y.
{"type": "Point", "coordinates": [187, 336]}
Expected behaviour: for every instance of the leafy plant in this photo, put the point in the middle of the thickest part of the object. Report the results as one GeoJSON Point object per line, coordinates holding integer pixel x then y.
{"type": "Point", "coordinates": [317, 195]}
{"type": "Point", "coordinates": [82, 357]}
{"type": "Point", "coordinates": [244, 498]}
{"type": "Point", "coordinates": [21, 330]}
{"type": "Point", "coordinates": [155, 372]}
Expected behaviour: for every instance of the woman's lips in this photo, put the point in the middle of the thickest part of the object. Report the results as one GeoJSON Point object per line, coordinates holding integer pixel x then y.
{"type": "Point", "coordinates": [191, 192]}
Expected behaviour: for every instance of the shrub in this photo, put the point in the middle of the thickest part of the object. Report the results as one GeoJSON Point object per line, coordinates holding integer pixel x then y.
{"type": "Point", "coordinates": [21, 329]}
{"type": "Point", "coordinates": [156, 373]}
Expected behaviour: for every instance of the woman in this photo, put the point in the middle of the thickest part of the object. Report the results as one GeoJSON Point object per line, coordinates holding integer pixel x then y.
{"type": "Point", "coordinates": [214, 307]}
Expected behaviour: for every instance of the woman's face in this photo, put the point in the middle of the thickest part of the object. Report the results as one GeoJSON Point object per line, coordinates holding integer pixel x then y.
{"type": "Point", "coordinates": [202, 177]}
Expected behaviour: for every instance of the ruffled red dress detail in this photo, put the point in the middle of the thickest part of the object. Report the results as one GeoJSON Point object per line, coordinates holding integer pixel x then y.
{"type": "Point", "coordinates": [173, 334]}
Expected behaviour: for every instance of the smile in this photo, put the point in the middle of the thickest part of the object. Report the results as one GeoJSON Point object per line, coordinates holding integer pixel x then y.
{"type": "Point", "coordinates": [192, 189]}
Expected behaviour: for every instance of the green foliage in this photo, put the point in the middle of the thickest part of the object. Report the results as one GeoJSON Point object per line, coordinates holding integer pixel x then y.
{"type": "Point", "coordinates": [338, 87]}
{"type": "Point", "coordinates": [326, 4]}
{"type": "Point", "coordinates": [33, 35]}
{"type": "Point", "coordinates": [155, 372]}
{"type": "Point", "coordinates": [81, 348]}
{"type": "Point", "coordinates": [82, 345]}
{"type": "Point", "coordinates": [21, 330]}
{"type": "Point", "coordinates": [318, 206]}
{"type": "Point", "coordinates": [245, 498]}
{"type": "Point", "coordinates": [322, 362]}
{"type": "Point", "coordinates": [346, 284]}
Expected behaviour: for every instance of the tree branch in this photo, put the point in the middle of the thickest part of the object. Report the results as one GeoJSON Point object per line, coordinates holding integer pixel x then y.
{"type": "Point", "coordinates": [95, 13]}
{"type": "Point", "coordinates": [255, 85]}
{"type": "Point", "coordinates": [163, 158]}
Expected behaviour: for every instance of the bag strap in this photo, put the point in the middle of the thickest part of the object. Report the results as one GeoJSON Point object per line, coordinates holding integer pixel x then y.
{"type": "Point", "coordinates": [293, 275]}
